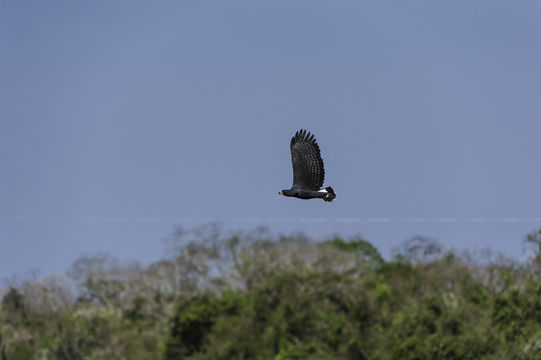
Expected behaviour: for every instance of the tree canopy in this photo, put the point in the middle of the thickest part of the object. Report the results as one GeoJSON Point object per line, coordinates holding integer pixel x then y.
{"type": "Point", "coordinates": [257, 296]}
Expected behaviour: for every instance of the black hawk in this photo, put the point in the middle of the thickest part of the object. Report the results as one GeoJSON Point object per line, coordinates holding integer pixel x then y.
{"type": "Point", "coordinates": [308, 170]}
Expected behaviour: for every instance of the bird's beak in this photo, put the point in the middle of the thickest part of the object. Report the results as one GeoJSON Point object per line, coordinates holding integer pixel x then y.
{"type": "Point", "coordinates": [281, 193]}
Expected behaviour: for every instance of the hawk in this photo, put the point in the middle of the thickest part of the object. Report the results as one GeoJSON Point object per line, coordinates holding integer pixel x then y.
{"type": "Point", "coordinates": [308, 170]}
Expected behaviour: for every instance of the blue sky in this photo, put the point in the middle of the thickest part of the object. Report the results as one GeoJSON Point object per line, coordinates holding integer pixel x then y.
{"type": "Point", "coordinates": [120, 119]}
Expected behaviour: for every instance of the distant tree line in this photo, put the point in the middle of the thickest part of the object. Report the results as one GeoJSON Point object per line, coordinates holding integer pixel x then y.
{"type": "Point", "coordinates": [258, 296]}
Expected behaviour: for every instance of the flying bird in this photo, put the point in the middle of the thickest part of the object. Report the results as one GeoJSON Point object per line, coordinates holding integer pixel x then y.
{"type": "Point", "coordinates": [308, 170]}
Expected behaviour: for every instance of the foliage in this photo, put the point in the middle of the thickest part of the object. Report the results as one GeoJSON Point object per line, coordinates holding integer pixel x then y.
{"type": "Point", "coordinates": [252, 296]}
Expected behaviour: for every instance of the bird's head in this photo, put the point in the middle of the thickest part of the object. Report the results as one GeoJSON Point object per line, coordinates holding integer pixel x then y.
{"type": "Point", "coordinates": [284, 192]}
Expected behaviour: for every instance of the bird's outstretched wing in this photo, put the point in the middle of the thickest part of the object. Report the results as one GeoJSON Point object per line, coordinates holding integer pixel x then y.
{"type": "Point", "coordinates": [308, 171]}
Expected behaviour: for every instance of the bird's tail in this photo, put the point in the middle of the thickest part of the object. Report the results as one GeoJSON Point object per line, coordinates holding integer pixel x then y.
{"type": "Point", "coordinates": [331, 195]}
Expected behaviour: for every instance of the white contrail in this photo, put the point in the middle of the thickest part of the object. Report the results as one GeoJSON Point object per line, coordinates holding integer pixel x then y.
{"type": "Point", "coordinates": [259, 220]}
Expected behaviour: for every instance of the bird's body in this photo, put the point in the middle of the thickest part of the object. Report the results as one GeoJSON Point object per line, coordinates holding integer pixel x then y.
{"type": "Point", "coordinates": [308, 170]}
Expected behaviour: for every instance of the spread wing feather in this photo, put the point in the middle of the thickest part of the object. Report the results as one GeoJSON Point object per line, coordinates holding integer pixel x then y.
{"type": "Point", "coordinates": [308, 170]}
